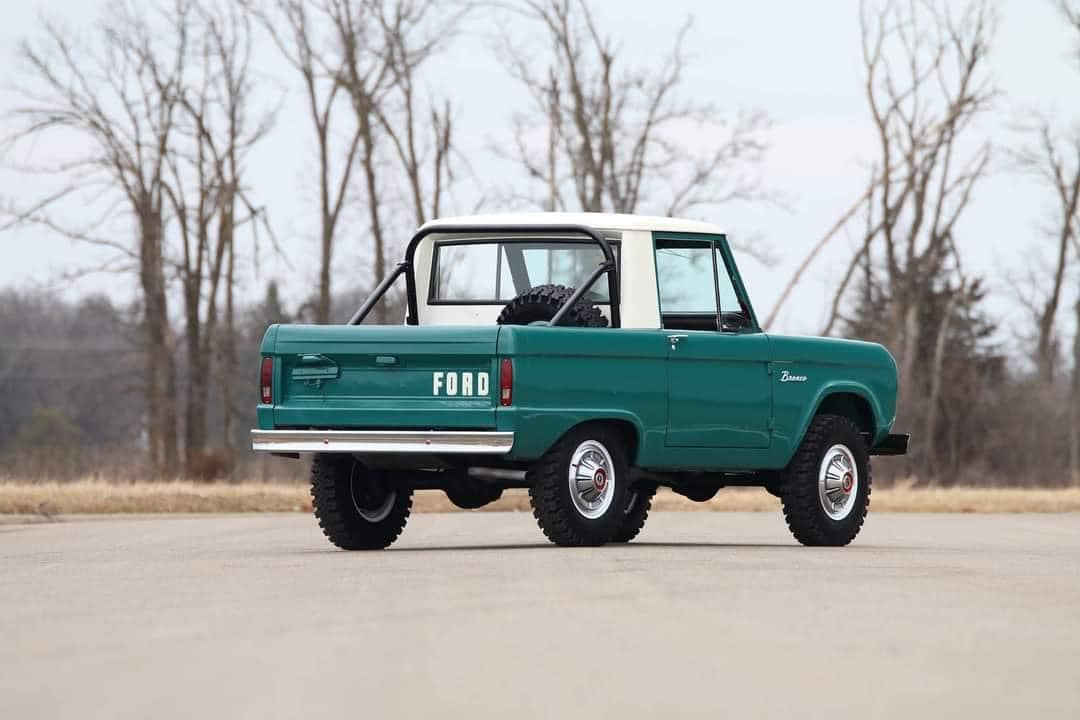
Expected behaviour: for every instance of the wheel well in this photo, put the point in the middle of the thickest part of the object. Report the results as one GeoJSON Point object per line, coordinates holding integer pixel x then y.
{"type": "Point", "coordinates": [851, 406]}
{"type": "Point", "coordinates": [626, 430]}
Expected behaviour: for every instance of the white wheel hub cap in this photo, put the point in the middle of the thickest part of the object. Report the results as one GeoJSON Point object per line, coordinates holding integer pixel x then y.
{"type": "Point", "coordinates": [838, 482]}
{"type": "Point", "coordinates": [592, 479]}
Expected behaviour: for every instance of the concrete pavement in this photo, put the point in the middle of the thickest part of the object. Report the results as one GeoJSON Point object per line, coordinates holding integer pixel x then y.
{"type": "Point", "coordinates": [475, 615]}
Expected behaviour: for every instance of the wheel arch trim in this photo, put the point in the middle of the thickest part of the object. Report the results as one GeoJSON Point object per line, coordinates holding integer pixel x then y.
{"type": "Point", "coordinates": [839, 389]}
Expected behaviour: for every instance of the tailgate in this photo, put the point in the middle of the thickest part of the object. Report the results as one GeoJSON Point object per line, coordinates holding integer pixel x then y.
{"type": "Point", "coordinates": [356, 376]}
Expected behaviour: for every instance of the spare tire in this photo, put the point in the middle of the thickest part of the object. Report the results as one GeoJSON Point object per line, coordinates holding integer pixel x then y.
{"type": "Point", "coordinates": [540, 303]}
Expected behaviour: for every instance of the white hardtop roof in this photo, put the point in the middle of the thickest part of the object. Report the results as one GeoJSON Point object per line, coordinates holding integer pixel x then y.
{"type": "Point", "coordinates": [600, 221]}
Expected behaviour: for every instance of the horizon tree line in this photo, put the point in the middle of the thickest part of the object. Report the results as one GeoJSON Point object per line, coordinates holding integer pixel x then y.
{"type": "Point", "coordinates": [162, 99]}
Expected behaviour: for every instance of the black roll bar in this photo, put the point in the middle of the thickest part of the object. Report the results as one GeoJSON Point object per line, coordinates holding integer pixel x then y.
{"type": "Point", "coordinates": [609, 266]}
{"type": "Point", "coordinates": [376, 295]}
{"type": "Point", "coordinates": [580, 291]}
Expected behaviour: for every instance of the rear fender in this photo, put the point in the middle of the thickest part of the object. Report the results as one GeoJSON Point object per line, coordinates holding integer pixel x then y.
{"type": "Point", "coordinates": [547, 426]}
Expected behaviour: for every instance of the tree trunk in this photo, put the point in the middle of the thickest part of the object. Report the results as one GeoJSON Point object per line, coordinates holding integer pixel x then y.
{"type": "Point", "coordinates": [159, 365]}
{"type": "Point", "coordinates": [908, 344]}
{"type": "Point", "coordinates": [229, 370]}
{"type": "Point", "coordinates": [322, 308]}
{"type": "Point", "coordinates": [379, 261]}
{"type": "Point", "coordinates": [1074, 406]}
{"type": "Point", "coordinates": [930, 444]}
{"type": "Point", "coordinates": [1046, 351]}
{"type": "Point", "coordinates": [195, 388]}
{"type": "Point", "coordinates": [198, 391]}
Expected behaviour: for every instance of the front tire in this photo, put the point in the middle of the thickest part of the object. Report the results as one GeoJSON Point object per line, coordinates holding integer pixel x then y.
{"type": "Point", "coordinates": [356, 507]}
{"type": "Point", "coordinates": [578, 489]}
{"type": "Point", "coordinates": [826, 486]}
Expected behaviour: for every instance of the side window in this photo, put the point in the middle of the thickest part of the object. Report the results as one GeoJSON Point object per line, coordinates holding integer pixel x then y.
{"type": "Point", "coordinates": [696, 290]}
{"type": "Point", "coordinates": [686, 280]}
{"type": "Point", "coordinates": [684, 273]}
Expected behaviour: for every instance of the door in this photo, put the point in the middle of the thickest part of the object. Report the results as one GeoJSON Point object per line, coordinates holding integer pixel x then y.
{"type": "Point", "coordinates": [719, 394]}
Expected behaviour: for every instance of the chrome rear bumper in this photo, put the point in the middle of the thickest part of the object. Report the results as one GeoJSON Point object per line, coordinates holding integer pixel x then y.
{"type": "Point", "coordinates": [406, 442]}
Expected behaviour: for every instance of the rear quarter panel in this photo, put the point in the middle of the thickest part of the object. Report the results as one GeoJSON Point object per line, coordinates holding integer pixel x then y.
{"type": "Point", "coordinates": [564, 376]}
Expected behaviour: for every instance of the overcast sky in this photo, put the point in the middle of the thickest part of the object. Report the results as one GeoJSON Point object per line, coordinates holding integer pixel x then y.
{"type": "Point", "coordinates": [798, 61]}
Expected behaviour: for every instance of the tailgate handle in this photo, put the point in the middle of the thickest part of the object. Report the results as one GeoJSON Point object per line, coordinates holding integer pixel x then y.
{"type": "Point", "coordinates": [386, 360]}
{"type": "Point", "coordinates": [315, 367]}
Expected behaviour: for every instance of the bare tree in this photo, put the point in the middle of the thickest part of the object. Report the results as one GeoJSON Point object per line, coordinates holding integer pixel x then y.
{"type": "Point", "coordinates": [384, 43]}
{"type": "Point", "coordinates": [926, 84]}
{"type": "Point", "coordinates": [413, 33]}
{"type": "Point", "coordinates": [1071, 12]}
{"type": "Point", "coordinates": [1074, 397]}
{"type": "Point", "coordinates": [610, 132]}
{"type": "Point", "coordinates": [120, 96]}
{"type": "Point", "coordinates": [796, 277]}
{"type": "Point", "coordinates": [1055, 160]}
{"type": "Point", "coordinates": [207, 195]}
{"type": "Point", "coordinates": [301, 31]}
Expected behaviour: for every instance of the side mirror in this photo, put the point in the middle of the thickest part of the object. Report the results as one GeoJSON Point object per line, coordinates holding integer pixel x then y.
{"type": "Point", "coordinates": [733, 321]}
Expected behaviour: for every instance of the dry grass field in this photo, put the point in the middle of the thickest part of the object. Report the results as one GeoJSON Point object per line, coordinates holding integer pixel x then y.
{"type": "Point", "coordinates": [99, 496]}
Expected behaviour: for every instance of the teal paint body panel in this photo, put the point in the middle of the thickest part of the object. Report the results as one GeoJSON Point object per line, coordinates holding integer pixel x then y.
{"type": "Point", "coordinates": [564, 376]}
{"type": "Point", "coordinates": [383, 377]}
{"type": "Point", "coordinates": [719, 415]}
{"type": "Point", "coordinates": [719, 392]}
{"type": "Point", "coordinates": [831, 366]}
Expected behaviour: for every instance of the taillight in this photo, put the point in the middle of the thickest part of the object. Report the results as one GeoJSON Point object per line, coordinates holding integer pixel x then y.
{"type": "Point", "coordinates": [266, 380]}
{"type": "Point", "coordinates": [506, 382]}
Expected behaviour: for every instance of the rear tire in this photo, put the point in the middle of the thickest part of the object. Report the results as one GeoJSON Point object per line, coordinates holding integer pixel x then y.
{"type": "Point", "coordinates": [826, 486]}
{"type": "Point", "coordinates": [355, 506]}
{"type": "Point", "coordinates": [578, 489]}
{"type": "Point", "coordinates": [635, 513]}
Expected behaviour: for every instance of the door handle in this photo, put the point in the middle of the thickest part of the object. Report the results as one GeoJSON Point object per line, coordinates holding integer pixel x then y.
{"type": "Point", "coordinates": [674, 339]}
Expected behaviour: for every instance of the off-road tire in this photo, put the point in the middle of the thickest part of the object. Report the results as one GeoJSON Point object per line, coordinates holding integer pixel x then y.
{"type": "Point", "coordinates": [339, 516]}
{"type": "Point", "coordinates": [549, 490]}
{"type": "Point", "coordinates": [635, 514]}
{"type": "Point", "coordinates": [540, 303]}
{"type": "Point", "coordinates": [803, 510]}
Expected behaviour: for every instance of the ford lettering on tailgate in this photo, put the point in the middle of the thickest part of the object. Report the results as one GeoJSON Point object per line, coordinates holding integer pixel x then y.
{"type": "Point", "coordinates": [464, 383]}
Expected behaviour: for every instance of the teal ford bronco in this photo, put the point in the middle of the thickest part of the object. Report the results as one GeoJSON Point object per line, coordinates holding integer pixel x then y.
{"type": "Point", "coordinates": [588, 358]}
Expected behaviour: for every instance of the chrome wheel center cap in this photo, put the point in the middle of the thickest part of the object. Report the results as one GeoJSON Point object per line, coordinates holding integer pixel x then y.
{"type": "Point", "coordinates": [600, 480]}
{"type": "Point", "coordinates": [848, 482]}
